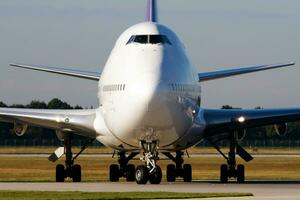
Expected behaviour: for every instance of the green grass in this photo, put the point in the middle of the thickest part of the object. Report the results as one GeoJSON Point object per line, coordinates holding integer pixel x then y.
{"type": "Point", "coordinates": [99, 150]}
{"type": "Point", "coordinates": [7, 195]}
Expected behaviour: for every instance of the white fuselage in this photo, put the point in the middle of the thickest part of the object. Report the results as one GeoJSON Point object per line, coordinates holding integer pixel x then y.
{"type": "Point", "coordinates": [142, 91]}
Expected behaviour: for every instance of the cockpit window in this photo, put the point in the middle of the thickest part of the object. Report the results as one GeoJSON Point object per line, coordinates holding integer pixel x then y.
{"type": "Point", "coordinates": [142, 39]}
{"type": "Point", "coordinates": [149, 39]}
{"type": "Point", "coordinates": [156, 39]}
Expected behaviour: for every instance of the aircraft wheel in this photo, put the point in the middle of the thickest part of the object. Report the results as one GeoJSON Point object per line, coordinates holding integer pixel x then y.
{"type": "Point", "coordinates": [187, 173]}
{"type": "Point", "coordinates": [130, 173]}
{"type": "Point", "coordinates": [155, 177]}
{"type": "Point", "coordinates": [60, 173]}
{"type": "Point", "coordinates": [76, 173]}
{"type": "Point", "coordinates": [171, 173]}
{"type": "Point", "coordinates": [240, 174]}
{"type": "Point", "coordinates": [114, 172]}
{"type": "Point", "coordinates": [141, 174]}
{"type": "Point", "coordinates": [224, 173]}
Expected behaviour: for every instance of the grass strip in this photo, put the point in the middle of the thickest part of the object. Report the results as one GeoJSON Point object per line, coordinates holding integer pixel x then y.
{"type": "Point", "coordinates": [24, 195]}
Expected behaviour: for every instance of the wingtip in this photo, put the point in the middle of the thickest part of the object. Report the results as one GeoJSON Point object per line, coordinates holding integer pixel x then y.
{"type": "Point", "coordinates": [14, 64]}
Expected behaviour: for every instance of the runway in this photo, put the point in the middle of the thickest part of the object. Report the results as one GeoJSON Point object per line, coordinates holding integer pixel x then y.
{"type": "Point", "coordinates": [261, 190]}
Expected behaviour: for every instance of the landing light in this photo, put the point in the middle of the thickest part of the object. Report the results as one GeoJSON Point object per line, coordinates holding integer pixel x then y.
{"type": "Point", "coordinates": [241, 119]}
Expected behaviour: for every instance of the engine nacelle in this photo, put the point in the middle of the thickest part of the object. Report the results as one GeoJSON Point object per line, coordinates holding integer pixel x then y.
{"type": "Point", "coordinates": [20, 129]}
{"type": "Point", "coordinates": [241, 134]}
{"type": "Point", "coordinates": [281, 129]}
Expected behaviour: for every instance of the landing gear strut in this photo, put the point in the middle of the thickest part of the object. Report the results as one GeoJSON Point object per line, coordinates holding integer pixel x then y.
{"type": "Point", "coordinates": [70, 170]}
{"type": "Point", "coordinates": [123, 169]}
{"type": "Point", "coordinates": [150, 171]}
{"type": "Point", "coordinates": [231, 169]}
{"type": "Point", "coordinates": [178, 170]}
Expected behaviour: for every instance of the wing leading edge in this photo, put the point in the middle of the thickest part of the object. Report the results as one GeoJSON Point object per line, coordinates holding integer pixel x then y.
{"type": "Point", "coordinates": [95, 76]}
{"type": "Point", "coordinates": [221, 121]}
{"type": "Point", "coordinates": [234, 72]}
{"type": "Point", "coordinates": [80, 122]}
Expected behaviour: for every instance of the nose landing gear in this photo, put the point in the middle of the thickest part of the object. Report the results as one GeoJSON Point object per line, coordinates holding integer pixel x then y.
{"type": "Point", "coordinates": [150, 171]}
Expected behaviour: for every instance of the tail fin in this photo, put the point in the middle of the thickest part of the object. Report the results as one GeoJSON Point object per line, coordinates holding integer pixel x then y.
{"type": "Point", "coordinates": [152, 13]}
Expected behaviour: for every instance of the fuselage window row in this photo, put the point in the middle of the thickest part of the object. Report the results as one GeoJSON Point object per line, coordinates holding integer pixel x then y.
{"type": "Point", "coordinates": [183, 87]}
{"type": "Point", "coordinates": [114, 87]}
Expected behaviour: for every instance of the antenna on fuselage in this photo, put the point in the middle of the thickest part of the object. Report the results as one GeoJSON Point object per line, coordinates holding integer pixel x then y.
{"type": "Point", "coordinates": [152, 12]}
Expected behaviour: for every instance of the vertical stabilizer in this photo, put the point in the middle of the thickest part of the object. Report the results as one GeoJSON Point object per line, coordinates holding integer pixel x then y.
{"type": "Point", "coordinates": [152, 15]}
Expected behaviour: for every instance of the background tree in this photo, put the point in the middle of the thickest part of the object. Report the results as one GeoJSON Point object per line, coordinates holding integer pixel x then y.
{"type": "Point", "coordinates": [3, 105]}
{"type": "Point", "coordinates": [58, 104]}
{"type": "Point", "coordinates": [37, 105]}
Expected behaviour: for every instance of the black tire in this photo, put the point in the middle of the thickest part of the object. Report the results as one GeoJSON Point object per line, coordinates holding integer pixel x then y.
{"type": "Point", "coordinates": [76, 173]}
{"type": "Point", "coordinates": [240, 174]}
{"type": "Point", "coordinates": [187, 173]}
{"type": "Point", "coordinates": [141, 174]}
{"type": "Point", "coordinates": [155, 177]}
{"type": "Point", "coordinates": [224, 173]}
{"type": "Point", "coordinates": [114, 173]}
{"type": "Point", "coordinates": [130, 173]}
{"type": "Point", "coordinates": [171, 173]}
{"type": "Point", "coordinates": [60, 173]}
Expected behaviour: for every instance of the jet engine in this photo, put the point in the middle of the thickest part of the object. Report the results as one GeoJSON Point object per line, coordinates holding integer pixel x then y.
{"type": "Point", "coordinates": [20, 129]}
{"type": "Point", "coordinates": [241, 134]}
{"type": "Point", "coordinates": [281, 129]}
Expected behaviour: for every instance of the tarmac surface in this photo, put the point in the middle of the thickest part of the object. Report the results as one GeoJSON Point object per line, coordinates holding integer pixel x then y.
{"type": "Point", "coordinates": [260, 189]}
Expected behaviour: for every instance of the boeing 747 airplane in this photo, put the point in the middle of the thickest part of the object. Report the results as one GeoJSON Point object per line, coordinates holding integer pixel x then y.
{"type": "Point", "coordinates": [150, 105]}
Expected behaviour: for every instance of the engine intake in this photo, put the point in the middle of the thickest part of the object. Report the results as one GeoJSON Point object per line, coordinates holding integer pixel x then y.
{"type": "Point", "coordinates": [281, 129]}
{"type": "Point", "coordinates": [20, 129]}
{"type": "Point", "coordinates": [241, 134]}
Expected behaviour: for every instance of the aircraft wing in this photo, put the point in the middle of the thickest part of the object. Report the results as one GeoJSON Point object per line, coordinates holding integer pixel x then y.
{"type": "Point", "coordinates": [234, 72]}
{"type": "Point", "coordinates": [222, 120]}
{"type": "Point", "coordinates": [95, 76]}
{"type": "Point", "coordinates": [77, 121]}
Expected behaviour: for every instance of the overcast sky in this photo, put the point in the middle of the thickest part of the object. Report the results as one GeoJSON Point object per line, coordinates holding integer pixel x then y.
{"type": "Point", "coordinates": [218, 35]}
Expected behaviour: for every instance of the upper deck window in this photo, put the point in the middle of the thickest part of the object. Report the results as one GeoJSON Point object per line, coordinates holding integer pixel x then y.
{"type": "Point", "coordinates": [149, 39]}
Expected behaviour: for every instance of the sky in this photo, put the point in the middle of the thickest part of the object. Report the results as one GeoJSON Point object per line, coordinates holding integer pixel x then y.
{"type": "Point", "coordinates": [218, 34]}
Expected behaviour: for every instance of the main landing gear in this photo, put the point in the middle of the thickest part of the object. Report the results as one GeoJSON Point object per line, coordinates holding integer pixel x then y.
{"type": "Point", "coordinates": [231, 169]}
{"type": "Point", "coordinates": [123, 169]}
{"type": "Point", "coordinates": [70, 170]}
{"type": "Point", "coordinates": [150, 171]}
{"type": "Point", "coordinates": [178, 170]}
{"type": "Point", "coordinates": [142, 173]}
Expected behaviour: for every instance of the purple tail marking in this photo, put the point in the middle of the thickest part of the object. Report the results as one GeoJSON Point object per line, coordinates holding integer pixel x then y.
{"type": "Point", "coordinates": [151, 15]}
